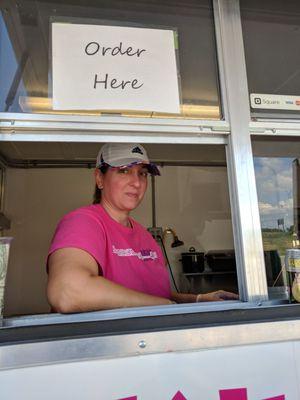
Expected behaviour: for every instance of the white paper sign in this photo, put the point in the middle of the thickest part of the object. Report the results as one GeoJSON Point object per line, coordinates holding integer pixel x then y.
{"type": "Point", "coordinates": [275, 101]}
{"type": "Point", "coordinates": [113, 68]}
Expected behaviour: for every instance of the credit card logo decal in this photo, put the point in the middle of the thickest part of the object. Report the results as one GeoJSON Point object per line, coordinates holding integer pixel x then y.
{"type": "Point", "coordinates": [274, 102]}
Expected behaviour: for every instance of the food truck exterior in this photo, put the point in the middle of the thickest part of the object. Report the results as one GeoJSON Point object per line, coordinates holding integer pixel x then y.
{"type": "Point", "coordinates": [238, 350]}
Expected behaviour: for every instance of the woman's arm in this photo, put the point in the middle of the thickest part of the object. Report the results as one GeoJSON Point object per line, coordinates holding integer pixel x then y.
{"type": "Point", "coordinates": [183, 297]}
{"type": "Point", "coordinates": [75, 286]}
{"type": "Point", "coordinates": [218, 295]}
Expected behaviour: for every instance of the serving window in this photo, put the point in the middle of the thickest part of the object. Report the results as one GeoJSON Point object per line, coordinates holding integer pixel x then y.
{"type": "Point", "coordinates": [276, 163]}
{"type": "Point", "coordinates": [189, 200]}
{"type": "Point", "coordinates": [25, 46]}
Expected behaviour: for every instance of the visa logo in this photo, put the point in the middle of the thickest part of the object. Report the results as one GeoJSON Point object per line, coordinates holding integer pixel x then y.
{"type": "Point", "coordinates": [289, 102]}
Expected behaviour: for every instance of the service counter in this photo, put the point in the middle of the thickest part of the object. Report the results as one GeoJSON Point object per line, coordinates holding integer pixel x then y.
{"type": "Point", "coordinates": [233, 346]}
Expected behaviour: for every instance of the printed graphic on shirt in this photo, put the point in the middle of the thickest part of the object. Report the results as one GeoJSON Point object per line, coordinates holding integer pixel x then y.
{"type": "Point", "coordinates": [144, 254]}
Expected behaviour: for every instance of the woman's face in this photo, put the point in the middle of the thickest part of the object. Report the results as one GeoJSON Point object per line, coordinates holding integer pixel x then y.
{"type": "Point", "coordinates": [123, 188]}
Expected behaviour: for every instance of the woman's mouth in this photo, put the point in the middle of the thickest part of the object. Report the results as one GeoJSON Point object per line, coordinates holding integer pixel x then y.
{"type": "Point", "coordinates": [132, 195]}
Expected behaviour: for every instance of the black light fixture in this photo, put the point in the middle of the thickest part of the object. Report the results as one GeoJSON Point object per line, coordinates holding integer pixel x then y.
{"type": "Point", "coordinates": [176, 242]}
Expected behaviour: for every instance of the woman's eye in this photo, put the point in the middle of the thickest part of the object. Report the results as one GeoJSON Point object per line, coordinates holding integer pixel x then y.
{"type": "Point", "coordinates": [144, 174]}
{"type": "Point", "coordinates": [123, 170]}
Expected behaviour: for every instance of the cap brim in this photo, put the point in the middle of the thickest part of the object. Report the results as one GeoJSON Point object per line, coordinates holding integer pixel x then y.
{"type": "Point", "coordinates": [151, 167]}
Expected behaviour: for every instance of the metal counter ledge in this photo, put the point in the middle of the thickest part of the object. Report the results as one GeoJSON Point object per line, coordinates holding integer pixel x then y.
{"type": "Point", "coordinates": [54, 326]}
{"type": "Point", "coordinates": [53, 338]}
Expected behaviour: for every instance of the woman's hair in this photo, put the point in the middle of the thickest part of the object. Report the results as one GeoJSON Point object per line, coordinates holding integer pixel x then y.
{"type": "Point", "coordinates": [97, 192]}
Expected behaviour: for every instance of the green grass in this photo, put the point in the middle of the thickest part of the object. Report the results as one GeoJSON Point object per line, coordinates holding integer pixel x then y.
{"type": "Point", "coordinates": [277, 240]}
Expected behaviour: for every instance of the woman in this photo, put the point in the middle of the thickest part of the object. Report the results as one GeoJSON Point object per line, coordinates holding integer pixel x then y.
{"type": "Point", "coordinates": [100, 258]}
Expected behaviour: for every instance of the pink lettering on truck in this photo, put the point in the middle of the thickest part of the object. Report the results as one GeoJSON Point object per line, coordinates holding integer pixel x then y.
{"type": "Point", "coordinates": [233, 394]}
{"type": "Point", "coordinates": [179, 396]}
{"type": "Point", "coordinates": [224, 394]}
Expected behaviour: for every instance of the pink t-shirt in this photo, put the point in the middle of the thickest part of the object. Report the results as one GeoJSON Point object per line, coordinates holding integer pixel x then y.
{"type": "Point", "coordinates": [127, 256]}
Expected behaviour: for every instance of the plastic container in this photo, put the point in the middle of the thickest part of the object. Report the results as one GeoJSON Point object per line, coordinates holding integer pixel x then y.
{"type": "Point", "coordinates": [292, 267]}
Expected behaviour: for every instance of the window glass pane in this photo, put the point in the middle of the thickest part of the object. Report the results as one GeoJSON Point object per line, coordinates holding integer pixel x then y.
{"type": "Point", "coordinates": [194, 202]}
{"type": "Point", "coordinates": [25, 78]}
{"type": "Point", "coordinates": [276, 163]}
{"type": "Point", "coordinates": [271, 31]}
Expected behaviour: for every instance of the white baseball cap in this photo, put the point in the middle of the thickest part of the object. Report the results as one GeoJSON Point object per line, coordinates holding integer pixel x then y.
{"type": "Point", "coordinates": [125, 155]}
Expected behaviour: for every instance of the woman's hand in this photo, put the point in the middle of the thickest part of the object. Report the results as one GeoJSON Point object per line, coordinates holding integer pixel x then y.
{"type": "Point", "coordinates": [219, 295]}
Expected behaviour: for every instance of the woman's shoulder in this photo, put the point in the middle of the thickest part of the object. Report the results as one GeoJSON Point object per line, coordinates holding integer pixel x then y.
{"type": "Point", "coordinates": [92, 211]}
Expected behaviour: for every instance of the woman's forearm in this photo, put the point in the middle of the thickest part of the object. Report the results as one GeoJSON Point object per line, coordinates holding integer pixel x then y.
{"type": "Point", "coordinates": [183, 297]}
{"type": "Point", "coordinates": [98, 293]}
{"type": "Point", "coordinates": [112, 295]}
{"type": "Point", "coordinates": [218, 295]}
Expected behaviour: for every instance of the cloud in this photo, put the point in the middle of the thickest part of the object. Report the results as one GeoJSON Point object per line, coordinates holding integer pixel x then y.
{"type": "Point", "coordinates": [283, 206]}
{"type": "Point", "coordinates": [274, 179]}
{"type": "Point", "coordinates": [273, 164]}
{"type": "Point", "coordinates": [270, 213]}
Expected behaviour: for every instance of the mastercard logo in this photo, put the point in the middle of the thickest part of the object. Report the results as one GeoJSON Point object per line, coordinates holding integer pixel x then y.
{"type": "Point", "coordinates": [297, 102]}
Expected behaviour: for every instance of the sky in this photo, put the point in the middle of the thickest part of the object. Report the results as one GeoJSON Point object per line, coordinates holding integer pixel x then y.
{"type": "Point", "coordinates": [274, 181]}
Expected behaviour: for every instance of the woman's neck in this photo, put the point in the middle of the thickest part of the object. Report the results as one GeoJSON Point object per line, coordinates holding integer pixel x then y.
{"type": "Point", "coordinates": [120, 216]}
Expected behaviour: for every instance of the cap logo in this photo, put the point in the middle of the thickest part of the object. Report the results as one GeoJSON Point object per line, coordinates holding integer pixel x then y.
{"type": "Point", "coordinates": [137, 150]}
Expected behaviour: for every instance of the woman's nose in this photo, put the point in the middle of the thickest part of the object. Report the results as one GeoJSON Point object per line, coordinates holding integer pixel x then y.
{"type": "Point", "coordinates": [135, 179]}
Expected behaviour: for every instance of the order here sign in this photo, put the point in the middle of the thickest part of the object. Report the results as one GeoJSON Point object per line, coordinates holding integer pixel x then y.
{"type": "Point", "coordinates": [98, 67]}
